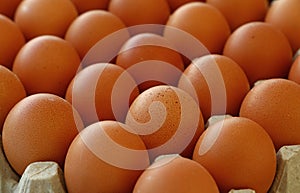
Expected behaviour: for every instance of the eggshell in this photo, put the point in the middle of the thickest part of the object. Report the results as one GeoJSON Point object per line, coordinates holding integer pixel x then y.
{"type": "Point", "coordinates": [219, 82]}
{"type": "Point", "coordinates": [87, 5]}
{"type": "Point", "coordinates": [151, 59]}
{"type": "Point", "coordinates": [102, 91]}
{"type": "Point", "coordinates": [294, 73]}
{"type": "Point", "coordinates": [105, 157]}
{"type": "Point", "coordinates": [174, 4]}
{"type": "Point", "coordinates": [173, 173]}
{"type": "Point", "coordinates": [285, 16]}
{"type": "Point", "coordinates": [11, 41]}
{"type": "Point", "coordinates": [39, 128]}
{"type": "Point", "coordinates": [8, 7]}
{"type": "Point", "coordinates": [275, 105]}
{"type": "Point", "coordinates": [95, 26]}
{"type": "Point", "coordinates": [238, 153]}
{"type": "Point", "coordinates": [46, 64]}
{"type": "Point", "coordinates": [244, 11]}
{"type": "Point", "coordinates": [134, 12]}
{"type": "Point", "coordinates": [205, 22]}
{"type": "Point", "coordinates": [11, 92]}
{"type": "Point", "coordinates": [261, 50]}
{"type": "Point", "coordinates": [47, 17]}
{"type": "Point", "coordinates": [167, 119]}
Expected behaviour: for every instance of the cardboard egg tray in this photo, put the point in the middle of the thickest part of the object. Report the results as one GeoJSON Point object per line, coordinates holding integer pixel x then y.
{"type": "Point", "coordinates": [48, 176]}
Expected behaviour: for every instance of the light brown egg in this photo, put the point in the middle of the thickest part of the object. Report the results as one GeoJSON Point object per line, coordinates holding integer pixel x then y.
{"type": "Point", "coordinates": [11, 92]}
{"type": "Point", "coordinates": [105, 157]}
{"type": "Point", "coordinates": [93, 27]}
{"type": "Point", "coordinates": [39, 128]}
{"type": "Point", "coordinates": [219, 82]}
{"type": "Point", "coordinates": [168, 120]}
{"type": "Point", "coordinates": [173, 173]}
{"type": "Point", "coordinates": [102, 91]}
{"type": "Point", "coordinates": [151, 60]}
{"type": "Point", "coordinates": [294, 73]}
{"type": "Point", "coordinates": [238, 153]}
{"type": "Point", "coordinates": [203, 21]}
{"type": "Point", "coordinates": [11, 41]}
{"type": "Point", "coordinates": [46, 17]}
{"type": "Point", "coordinates": [285, 16]}
{"type": "Point", "coordinates": [87, 5]}
{"type": "Point", "coordinates": [275, 105]}
{"type": "Point", "coordinates": [46, 64]}
{"type": "Point", "coordinates": [261, 50]}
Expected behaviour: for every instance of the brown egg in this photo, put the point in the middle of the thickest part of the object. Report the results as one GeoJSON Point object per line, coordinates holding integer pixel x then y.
{"type": "Point", "coordinates": [167, 119]}
{"type": "Point", "coordinates": [39, 128]}
{"type": "Point", "coordinates": [285, 16]}
{"type": "Point", "coordinates": [11, 41]}
{"type": "Point", "coordinates": [87, 5]}
{"type": "Point", "coordinates": [47, 17]}
{"type": "Point", "coordinates": [151, 60]}
{"type": "Point", "coordinates": [174, 4]}
{"type": "Point", "coordinates": [238, 153]}
{"type": "Point", "coordinates": [11, 92]}
{"type": "Point", "coordinates": [205, 22]}
{"type": "Point", "coordinates": [105, 157]}
{"type": "Point", "coordinates": [275, 105]}
{"type": "Point", "coordinates": [294, 73]}
{"type": "Point", "coordinates": [239, 12]}
{"type": "Point", "coordinates": [219, 82]}
{"type": "Point", "coordinates": [102, 91]}
{"type": "Point", "coordinates": [93, 27]}
{"type": "Point", "coordinates": [173, 173]}
{"type": "Point", "coordinates": [8, 7]}
{"type": "Point", "coordinates": [46, 64]}
{"type": "Point", "coordinates": [134, 12]}
{"type": "Point", "coordinates": [261, 50]}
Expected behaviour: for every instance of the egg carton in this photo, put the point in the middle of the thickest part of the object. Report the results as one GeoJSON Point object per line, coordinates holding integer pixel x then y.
{"type": "Point", "coordinates": [48, 176]}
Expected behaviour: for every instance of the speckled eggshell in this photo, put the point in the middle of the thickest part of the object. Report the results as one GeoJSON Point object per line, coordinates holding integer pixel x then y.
{"type": "Point", "coordinates": [167, 119]}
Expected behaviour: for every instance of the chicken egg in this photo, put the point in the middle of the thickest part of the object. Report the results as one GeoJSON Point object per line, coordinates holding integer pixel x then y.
{"type": "Point", "coordinates": [219, 82]}
{"type": "Point", "coordinates": [11, 41]}
{"type": "Point", "coordinates": [102, 91]}
{"type": "Point", "coordinates": [285, 16]}
{"type": "Point", "coordinates": [238, 153]}
{"type": "Point", "coordinates": [39, 128]}
{"type": "Point", "coordinates": [151, 60]}
{"type": "Point", "coordinates": [95, 26]}
{"type": "Point", "coordinates": [46, 64]}
{"type": "Point", "coordinates": [176, 174]}
{"type": "Point", "coordinates": [275, 105]}
{"type": "Point", "coordinates": [168, 120]}
{"type": "Point", "coordinates": [46, 17]}
{"type": "Point", "coordinates": [11, 92]}
{"type": "Point", "coordinates": [105, 157]}
{"type": "Point", "coordinates": [203, 21]}
{"type": "Point", "coordinates": [261, 50]}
